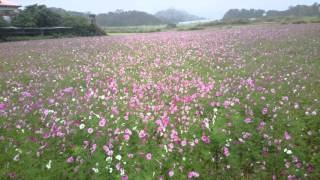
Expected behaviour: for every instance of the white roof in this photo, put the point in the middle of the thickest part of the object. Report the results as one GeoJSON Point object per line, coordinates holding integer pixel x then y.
{"type": "Point", "coordinates": [7, 3]}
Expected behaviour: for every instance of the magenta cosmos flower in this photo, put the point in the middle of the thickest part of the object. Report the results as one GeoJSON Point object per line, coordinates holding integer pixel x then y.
{"type": "Point", "coordinates": [2, 106]}
{"type": "Point", "coordinates": [226, 151]}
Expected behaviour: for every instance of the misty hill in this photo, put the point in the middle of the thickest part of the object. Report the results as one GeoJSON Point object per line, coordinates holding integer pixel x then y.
{"type": "Point", "coordinates": [176, 16]}
{"type": "Point", "coordinates": [296, 11]}
{"type": "Point", "coordinates": [64, 12]}
{"type": "Point", "coordinates": [127, 18]}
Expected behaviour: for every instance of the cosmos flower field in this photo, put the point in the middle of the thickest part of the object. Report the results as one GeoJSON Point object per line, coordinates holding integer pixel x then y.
{"type": "Point", "coordinates": [239, 103]}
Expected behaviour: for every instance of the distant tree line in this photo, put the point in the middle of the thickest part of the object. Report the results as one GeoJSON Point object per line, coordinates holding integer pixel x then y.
{"type": "Point", "coordinates": [135, 18]}
{"type": "Point", "coordinates": [127, 18]}
{"type": "Point", "coordinates": [243, 14]}
{"type": "Point", "coordinates": [40, 16]}
{"type": "Point", "coordinates": [299, 11]}
{"type": "Point", "coordinates": [176, 16]}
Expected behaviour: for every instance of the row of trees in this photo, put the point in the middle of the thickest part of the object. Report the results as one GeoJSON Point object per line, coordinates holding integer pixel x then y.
{"type": "Point", "coordinates": [176, 16]}
{"type": "Point", "coordinates": [41, 16]}
{"type": "Point", "coordinates": [299, 11]}
{"type": "Point", "coordinates": [135, 18]}
{"type": "Point", "coordinates": [243, 14]}
{"type": "Point", "coordinates": [127, 18]}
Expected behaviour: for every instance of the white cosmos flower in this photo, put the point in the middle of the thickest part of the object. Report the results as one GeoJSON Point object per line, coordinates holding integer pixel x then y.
{"type": "Point", "coordinates": [95, 170]}
{"type": "Point", "coordinates": [109, 159]}
{"type": "Point", "coordinates": [16, 157]}
{"type": "Point", "coordinates": [49, 165]}
{"type": "Point", "coordinates": [102, 97]}
{"type": "Point", "coordinates": [82, 126]}
{"type": "Point", "coordinates": [122, 173]}
{"type": "Point", "coordinates": [118, 157]}
{"type": "Point", "coordinates": [314, 113]}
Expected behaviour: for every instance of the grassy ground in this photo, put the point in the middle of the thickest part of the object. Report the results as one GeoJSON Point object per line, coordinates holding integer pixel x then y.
{"type": "Point", "coordinates": [239, 103]}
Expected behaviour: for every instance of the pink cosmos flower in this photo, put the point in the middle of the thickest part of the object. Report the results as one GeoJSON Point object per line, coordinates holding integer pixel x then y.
{"type": "Point", "coordinates": [117, 131]}
{"type": "Point", "coordinates": [261, 125]}
{"type": "Point", "coordinates": [226, 151]}
{"type": "Point", "coordinates": [299, 165]}
{"type": "Point", "coordinates": [165, 121]}
{"type": "Point", "coordinates": [310, 168]}
{"type": "Point", "coordinates": [128, 131]}
{"type": "Point", "coordinates": [285, 98]}
{"type": "Point", "coordinates": [290, 177]}
{"type": "Point", "coordinates": [102, 122]}
{"type": "Point", "coordinates": [85, 144]}
{"type": "Point", "coordinates": [68, 90]}
{"type": "Point", "coordinates": [105, 148]}
{"type": "Point", "coordinates": [142, 134]}
{"type": "Point", "coordinates": [26, 94]}
{"type": "Point", "coordinates": [265, 111]}
{"type": "Point", "coordinates": [124, 177]}
{"type": "Point", "coordinates": [171, 173]}
{"type": "Point", "coordinates": [212, 104]}
{"type": "Point", "coordinates": [149, 156]}
{"type": "Point", "coordinates": [51, 101]}
{"type": "Point", "coordinates": [218, 94]}
{"type": "Point", "coordinates": [192, 174]}
{"type": "Point", "coordinates": [130, 155]}
{"type": "Point", "coordinates": [126, 137]}
{"type": "Point", "coordinates": [90, 130]}
{"type": "Point", "coordinates": [93, 148]}
{"type": "Point", "coordinates": [70, 159]}
{"type": "Point", "coordinates": [287, 136]}
{"type": "Point", "coordinates": [46, 135]}
{"type": "Point", "coordinates": [248, 120]}
{"type": "Point", "coordinates": [226, 104]}
{"type": "Point", "coordinates": [218, 104]}
{"type": "Point", "coordinates": [205, 139]}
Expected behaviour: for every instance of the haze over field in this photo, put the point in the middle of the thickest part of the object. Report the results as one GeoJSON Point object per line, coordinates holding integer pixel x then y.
{"type": "Point", "coordinates": [213, 9]}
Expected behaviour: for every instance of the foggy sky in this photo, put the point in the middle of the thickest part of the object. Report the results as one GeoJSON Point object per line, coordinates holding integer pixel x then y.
{"type": "Point", "coordinates": [213, 9]}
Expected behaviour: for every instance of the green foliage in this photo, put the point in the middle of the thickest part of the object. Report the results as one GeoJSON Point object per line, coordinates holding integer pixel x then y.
{"type": "Point", "coordinates": [293, 11]}
{"type": "Point", "coordinates": [233, 14]}
{"type": "Point", "coordinates": [176, 16]}
{"type": "Point", "coordinates": [41, 16]}
{"type": "Point", "coordinates": [37, 16]}
{"type": "Point", "coordinates": [74, 21]}
{"type": "Point", "coordinates": [171, 25]}
{"type": "Point", "coordinates": [299, 11]}
{"type": "Point", "coordinates": [127, 18]}
{"type": "Point", "coordinates": [3, 23]}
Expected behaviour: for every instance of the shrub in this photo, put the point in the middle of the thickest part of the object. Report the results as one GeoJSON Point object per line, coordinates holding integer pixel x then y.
{"type": "Point", "coordinates": [3, 23]}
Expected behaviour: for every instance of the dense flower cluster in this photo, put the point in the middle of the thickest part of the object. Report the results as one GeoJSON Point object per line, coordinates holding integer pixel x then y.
{"type": "Point", "coordinates": [181, 105]}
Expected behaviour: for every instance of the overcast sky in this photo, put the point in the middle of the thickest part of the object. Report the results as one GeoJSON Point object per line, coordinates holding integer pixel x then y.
{"type": "Point", "coordinates": [205, 8]}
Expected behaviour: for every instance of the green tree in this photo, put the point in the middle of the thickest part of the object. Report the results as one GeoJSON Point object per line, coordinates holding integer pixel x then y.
{"type": "Point", "coordinates": [37, 16]}
{"type": "Point", "coordinates": [3, 23]}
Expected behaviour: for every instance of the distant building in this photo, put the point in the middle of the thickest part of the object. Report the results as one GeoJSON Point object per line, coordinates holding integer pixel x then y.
{"type": "Point", "coordinates": [8, 9]}
{"type": "Point", "coordinates": [93, 19]}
